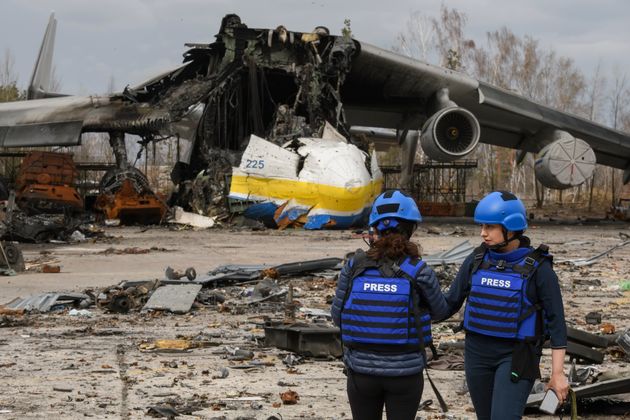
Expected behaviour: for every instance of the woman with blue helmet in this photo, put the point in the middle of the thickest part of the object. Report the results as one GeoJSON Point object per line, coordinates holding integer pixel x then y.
{"type": "Point", "coordinates": [384, 303]}
{"type": "Point", "coordinates": [513, 302]}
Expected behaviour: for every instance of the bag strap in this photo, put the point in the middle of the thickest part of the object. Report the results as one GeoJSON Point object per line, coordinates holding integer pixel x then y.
{"type": "Point", "coordinates": [533, 260]}
{"type": "Point", "coordinates": [479, 253]}
{"type": "Point", "coordinates": [408, 270]}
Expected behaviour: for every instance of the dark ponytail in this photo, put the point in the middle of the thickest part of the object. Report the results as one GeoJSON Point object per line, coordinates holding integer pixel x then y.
{"type": "Point", "coordinates": [393, 245]}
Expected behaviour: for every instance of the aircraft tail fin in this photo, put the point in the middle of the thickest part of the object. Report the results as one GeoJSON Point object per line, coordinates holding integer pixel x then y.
{"type": "Point", "coordinates": [41, 80]}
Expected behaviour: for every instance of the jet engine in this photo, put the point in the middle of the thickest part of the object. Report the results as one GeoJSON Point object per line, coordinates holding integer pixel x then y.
{"type": "Point", "coordinates": [565, 163]}
{"type": "Point", "coordinates": [450, 134]}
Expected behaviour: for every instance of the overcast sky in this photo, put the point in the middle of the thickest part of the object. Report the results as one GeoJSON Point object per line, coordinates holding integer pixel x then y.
{"type": "Point", "coordinates": [131, 40]}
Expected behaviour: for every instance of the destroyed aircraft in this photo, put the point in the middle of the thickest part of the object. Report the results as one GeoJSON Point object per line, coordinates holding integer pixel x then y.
{"type": "Point", "coordinates": [283, 87]}
{"type": "Point", "coordinates": [324, 182]}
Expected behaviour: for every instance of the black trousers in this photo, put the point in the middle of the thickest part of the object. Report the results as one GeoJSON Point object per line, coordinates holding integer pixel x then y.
{"type": "Point", "coordinates": [400, 394]}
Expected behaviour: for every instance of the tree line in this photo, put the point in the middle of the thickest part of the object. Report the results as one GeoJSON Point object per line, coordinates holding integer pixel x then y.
{"type": "Point", "coordinates": [521, 64]}
{"type": "Point", "coordinates": [504, 59]}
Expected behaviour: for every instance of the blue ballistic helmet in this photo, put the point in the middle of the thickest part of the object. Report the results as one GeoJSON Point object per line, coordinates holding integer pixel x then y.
{"type": "Point", "coordinates": [502, 208]}
{"type": "Point", "coordinates": [391, 206]}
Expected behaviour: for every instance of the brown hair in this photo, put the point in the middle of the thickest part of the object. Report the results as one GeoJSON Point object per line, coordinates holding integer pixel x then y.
{"type": "Point", "coordinates": [393, 246]}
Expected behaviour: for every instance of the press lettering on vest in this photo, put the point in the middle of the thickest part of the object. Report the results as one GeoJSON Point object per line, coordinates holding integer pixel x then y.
{"type": "Point", "coordinates": [485, 281]}
{"type": "Point", "coordinates": [380, 287]}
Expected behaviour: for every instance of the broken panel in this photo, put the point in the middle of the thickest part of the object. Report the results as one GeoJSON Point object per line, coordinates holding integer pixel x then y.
{"type": "Point", "coordinates": [308, 340]}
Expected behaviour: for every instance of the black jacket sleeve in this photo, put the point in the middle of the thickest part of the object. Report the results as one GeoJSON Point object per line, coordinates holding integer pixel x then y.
{"type": "Point", "coordinates": [458, 291]}
{"type": "Point", "coordinates": [429, 288]}
{"type": "Point", "coordinates": [550, 297]}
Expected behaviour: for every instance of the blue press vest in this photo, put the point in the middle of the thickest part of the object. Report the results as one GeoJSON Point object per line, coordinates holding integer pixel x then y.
{"type": "Point", "coordinates": [379, 310]}
{"type": "Point", "coordinates": [497, 303]}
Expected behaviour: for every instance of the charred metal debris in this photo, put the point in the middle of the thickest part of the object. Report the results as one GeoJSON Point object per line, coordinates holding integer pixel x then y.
{"type": "Point", "coordinates": [276, 84]}
{"type": "Point", "coordinates": [288, 308]}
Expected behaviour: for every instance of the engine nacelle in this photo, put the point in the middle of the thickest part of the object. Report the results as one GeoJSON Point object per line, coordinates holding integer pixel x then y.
{"type": "Point", "coordinates": [565, 163]}
{"type": "Point", "coordinates": [450, 134]}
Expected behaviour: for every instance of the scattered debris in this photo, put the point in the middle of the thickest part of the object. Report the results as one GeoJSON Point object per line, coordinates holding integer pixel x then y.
{"type": "Point", "coordinates": [455, 255]}
{"type": "Point", "coordinates": [126, 296]}
{"type": "Point", "coordinates": [303, 267]}
{"type": "Point", "coordinates": [191, 219]}
{"type": "Point", "coordinates": [174, 298]}
{"type": "Point", "coordinates": [51, 269]}
{"type": "Point", "coordinates": [83, 313]}
{"type": "Point", "coordinates": [289, 397]}
{"type": "Point", "coordinates": [174, 345]}
{"type": "Point", "coordinates": [586, 338]}
{"type": "Point", "coordinates": [593, 318]}
{"type": "Point", "coordinates": [223, 373]}
{"type": "Point", "coordinates": [46, 184]}
{"type": "Point", "coordinates": [171, 274]}
{"type": "Point", "coordinates": [178, 406]}
{"type": "Point", "coordinates": [46, 302]}
{"type": "Point", "coordinates": [133, 250]}
{"type": "Point", "coordinates": [580, 262]}
{"type": "Point", "coordinates": [304, 339]}
{"type": "Point", "coordinates": [11, 311]}
{"type": "Point", "coordinates": [432, 230]}
{"type": "Point", "coordinates": [126, 196]}
{"type": "Point", "coordinates": [624, 341]}
{"type": "Point", "coordinates": [41, 227]}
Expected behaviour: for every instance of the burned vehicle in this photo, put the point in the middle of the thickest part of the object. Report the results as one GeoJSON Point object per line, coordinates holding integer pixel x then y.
{"type": "Point", "coordinates": [46, 184]}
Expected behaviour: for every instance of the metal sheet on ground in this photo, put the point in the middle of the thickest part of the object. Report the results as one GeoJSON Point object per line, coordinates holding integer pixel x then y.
{"type": "Point", "coordinates": [174, 298]}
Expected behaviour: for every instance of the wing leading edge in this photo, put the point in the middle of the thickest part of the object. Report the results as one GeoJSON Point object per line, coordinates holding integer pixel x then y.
{"type": "Point", "coordinates": [385, 89]}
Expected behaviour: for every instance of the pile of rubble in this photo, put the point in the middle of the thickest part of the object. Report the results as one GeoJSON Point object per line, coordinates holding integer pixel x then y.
{"type": "Point", "coordinates": [266, 339]}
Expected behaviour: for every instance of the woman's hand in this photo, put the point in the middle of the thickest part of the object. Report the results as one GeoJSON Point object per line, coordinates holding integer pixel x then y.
{"type": "Point", "coordinates": [560, 385]}
{"type": "Point", "coordinates": [558, 382]}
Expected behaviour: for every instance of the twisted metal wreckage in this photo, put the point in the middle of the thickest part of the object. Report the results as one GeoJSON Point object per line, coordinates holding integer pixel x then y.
{"type": "Point", "coordinates": [272, 117]}
{"type": "Point", "coordinates": [265, 119]}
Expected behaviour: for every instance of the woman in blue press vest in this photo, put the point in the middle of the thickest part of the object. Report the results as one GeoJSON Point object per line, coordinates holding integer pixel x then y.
{"type": "Point", "coordinates": [384, 297]}
{"type": "Point", "coordinates": [513, 301]}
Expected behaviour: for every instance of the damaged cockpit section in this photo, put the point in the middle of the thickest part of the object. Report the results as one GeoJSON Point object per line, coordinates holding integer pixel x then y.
{"type": "Point", "coordinates": [283, 87]}
{"type": "Point", "coordinates": [317, 183]}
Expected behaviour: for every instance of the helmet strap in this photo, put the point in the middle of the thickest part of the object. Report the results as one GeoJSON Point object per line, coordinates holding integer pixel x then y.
{"type": "Point", "coordinates": [506, 241]}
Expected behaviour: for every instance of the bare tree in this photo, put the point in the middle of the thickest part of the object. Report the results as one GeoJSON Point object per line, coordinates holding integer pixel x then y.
{"type": "Point", "coordinates": [8, 78]}
{"type": "Point", "coordinates": [418, 39]}
{"type": "Point", "coordinates": [453, 48]}
{"type": "Point", "coordinates": [520, 64]}
{"type": "Point", "coordinates": [618, 104]}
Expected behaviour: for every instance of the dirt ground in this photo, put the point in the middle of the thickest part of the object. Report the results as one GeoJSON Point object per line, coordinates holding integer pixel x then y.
{"type": "Point", "coordinates": [58, 366]}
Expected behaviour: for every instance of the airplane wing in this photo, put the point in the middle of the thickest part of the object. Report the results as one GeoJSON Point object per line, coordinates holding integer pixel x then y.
{"type": "Point", "coordinates": [385, 89]}
{"type": "Point", "coordinates": [379, 88]}
{"type": "Point", "coordinates": [60, 121]}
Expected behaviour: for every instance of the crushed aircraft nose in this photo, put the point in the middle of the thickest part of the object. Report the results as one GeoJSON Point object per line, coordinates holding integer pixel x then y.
{"type": "Point", "coordinates": [320, 183]}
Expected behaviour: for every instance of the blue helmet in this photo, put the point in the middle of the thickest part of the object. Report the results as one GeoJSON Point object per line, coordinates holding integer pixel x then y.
{"type": "Point", "coordinates": [392, 205]}
{"type": "Point", "coordinates": [502, 208]}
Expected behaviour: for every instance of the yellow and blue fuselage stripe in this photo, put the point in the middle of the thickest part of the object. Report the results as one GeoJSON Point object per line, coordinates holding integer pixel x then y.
{"type": "Point", "coordinates": [322, 203]}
